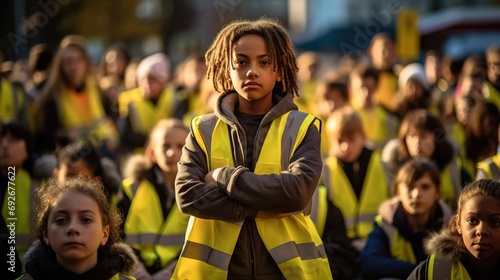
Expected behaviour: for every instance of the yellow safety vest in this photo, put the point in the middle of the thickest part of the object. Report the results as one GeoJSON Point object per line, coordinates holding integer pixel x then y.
{"type": "Point", "coordinates": [451, 183]}
{"type": "Point", "coordinates": [319, 208]}
{"type": "Point", "coordinates": [400, 247]}
{"type": "Point", "coordinates": [358, 215]}
{"type": "Point", "coordinates": [306, 101]}
{"type": "Point", "coordinates": [10, 101]}
{"type": "Point", "coordinates": [445, 269]}
{"type": "Point", "coordinates": [142, 113]}
{"type": "Point", "coordinates": [91, 120]}
{"type": "Point", "coordinates": [297, 249]}
{"type": "Point", "coordinates": [147, 231]}
{"type": "Point", "coordinates": [378, 125]}
{"type": "Point", "coordinates": [20, 196]}
{"type": "Point", "coordinates": [386, 90]}
{"type": "Point", "coordinates": [491, 167]}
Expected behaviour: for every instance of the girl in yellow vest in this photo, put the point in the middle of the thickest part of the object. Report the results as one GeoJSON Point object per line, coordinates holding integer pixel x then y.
{"type": "Point", "coordinates": [71, 104]}
{"type": "Point", "coordinates": [422, 135]}
{"type": "Point", "coordinates": [154, 225]}
{"type": "Point", "coordinates": [77, 235]}
{"type": "Point", "coordinates": [414, 91]}
{"type": "Point", "coordinates": [248, 171]}
{"type": "Point", "coordinates": [17, 184]}
{"type": "Point", "coordinates": [383, 57]}
{"type": "Point", "coordinates": [380, 125]}
{"type": "Point", "coordinates": [470, 247]}
{"type": "Point", "coordinates": [141, 108]}
{"type": "Point", "coordinates": [396, 242]}
{"type": "Point", "coordinates": [353, 174]}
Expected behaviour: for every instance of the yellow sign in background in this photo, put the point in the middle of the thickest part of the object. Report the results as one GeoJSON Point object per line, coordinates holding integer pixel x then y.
{"type": "Point", "coordinates": [407, 35]}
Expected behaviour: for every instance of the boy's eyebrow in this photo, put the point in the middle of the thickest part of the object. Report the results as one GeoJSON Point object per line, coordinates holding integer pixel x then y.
{"type": "Point", "coordinates": [246, 56]}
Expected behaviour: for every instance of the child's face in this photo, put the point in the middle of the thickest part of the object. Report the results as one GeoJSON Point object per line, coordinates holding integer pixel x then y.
{"type": "Point", "coordinates": [420, 143]}
{"type": "Point", "coordinates": [75, 230]}
{"type": "Point", "coordinates": [414, 90]}
{"type": "Point", "coordinates": [74, 66]}
{"type": "Point", "coordinates": [479, 226]}
{"type": "Point", "coordinates": [494, 68]}
{"type": "Point", "coordinates": [329, 101]}
{"type": "Point", "coordinates": [382, 54]}
{"type": "Point", "coordinates": [167, 148]}
{"type": "Point", "coordinates": [13, 151]}
{"type": "Point", "coordinates": [362, 90]}
{"type": "Point", "coordinates": [420, 197]}
{"type": "Point", "coordinates": [348, 147]}
{"type": "Point", "coordinates": [151, 86]}
{"type": "Point", "coordinates": [253, 76]}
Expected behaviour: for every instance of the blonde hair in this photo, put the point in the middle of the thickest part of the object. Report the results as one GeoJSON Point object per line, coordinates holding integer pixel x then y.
{"type": "Point", "coordinates": [343, 122]}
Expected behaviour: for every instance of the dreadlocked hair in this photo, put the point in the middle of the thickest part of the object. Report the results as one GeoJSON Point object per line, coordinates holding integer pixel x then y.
{"type": "Point", "coordinates": [279, 46]}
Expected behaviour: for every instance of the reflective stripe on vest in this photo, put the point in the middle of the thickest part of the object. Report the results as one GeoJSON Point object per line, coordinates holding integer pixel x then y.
{"type": "Point", "coordinates": [440, 269]}
{"type": "Point", "coordinates": [400, 248]}
{"type": "Point", "coordinates": [297, 250]}
{"type": "Point", "coordinates": [490, 167]}
{"type": "Point", "coordinates": [143, 114]}
{"type": "Point", "coordinates": [319, 208]}
{"type": "Point", "coordinates": [358, 215]}
{"type": "Point", "coordinates": [148, 232]}
{"type": "Point", "coordinates": [23, 190]}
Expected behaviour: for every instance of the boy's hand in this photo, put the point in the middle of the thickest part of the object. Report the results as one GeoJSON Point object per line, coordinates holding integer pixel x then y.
{"type": "Point", "coordinates": [211, 177]}
{"type": "Point", "coordinates": [271, 215]}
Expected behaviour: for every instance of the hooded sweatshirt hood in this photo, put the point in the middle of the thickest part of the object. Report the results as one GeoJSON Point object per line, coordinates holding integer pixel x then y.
{"type": "Point", "coordinates": [41, 263]}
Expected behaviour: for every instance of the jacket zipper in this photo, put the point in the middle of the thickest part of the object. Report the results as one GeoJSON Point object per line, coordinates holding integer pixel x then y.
{"type": "Point", "coordinates": [252, 257]}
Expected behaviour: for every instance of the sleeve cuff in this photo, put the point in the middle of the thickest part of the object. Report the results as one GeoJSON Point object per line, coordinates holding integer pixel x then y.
{"type": "Point", "coordinates": [226, 177]}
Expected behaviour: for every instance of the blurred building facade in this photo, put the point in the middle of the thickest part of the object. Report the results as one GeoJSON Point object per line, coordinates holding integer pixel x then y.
{"type": "Point", "coordinates": [180, 27]}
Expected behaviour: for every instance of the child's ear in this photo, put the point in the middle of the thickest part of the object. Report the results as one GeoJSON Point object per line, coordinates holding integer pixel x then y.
{"type": "Point", "coordinates": [45, 238]}
{"type": "Point", "coordinates": [278, 78]}
{"type": "Point", "coordinates": [105, 235]}
{"type": "Point", "coordinates": [457, 223]}
{"type": "Point", "coordinates": [150, 154]}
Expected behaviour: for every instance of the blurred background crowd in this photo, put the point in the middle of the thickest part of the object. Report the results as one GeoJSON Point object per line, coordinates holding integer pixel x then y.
{"type": "Point", "coordinates": [421, 71]}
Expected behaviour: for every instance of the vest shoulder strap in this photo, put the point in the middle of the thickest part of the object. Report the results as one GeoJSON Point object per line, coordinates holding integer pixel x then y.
{"type": "Point", "coordinates": [495, 171]}
{"type": "Point", "coordinates": [439, 268]}
{"type": "Point", "coordinates": [202, 128]}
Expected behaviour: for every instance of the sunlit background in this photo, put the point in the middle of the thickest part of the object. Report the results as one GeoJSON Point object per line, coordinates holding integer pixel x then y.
{"type": "Point", "coordinates": [180, 27]}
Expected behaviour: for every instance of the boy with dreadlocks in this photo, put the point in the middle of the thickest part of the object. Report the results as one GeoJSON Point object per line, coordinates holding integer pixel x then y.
{"type": "Point", "coordinates": [248, 171]}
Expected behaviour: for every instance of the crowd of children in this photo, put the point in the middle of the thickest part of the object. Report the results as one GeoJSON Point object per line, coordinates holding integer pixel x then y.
{"type": "Point", "coordinates": [248, 162]}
